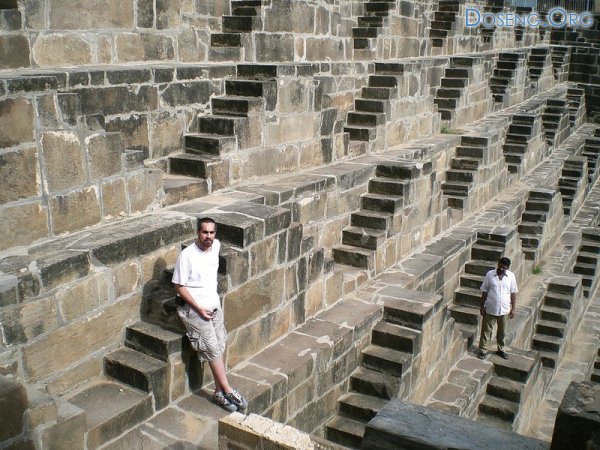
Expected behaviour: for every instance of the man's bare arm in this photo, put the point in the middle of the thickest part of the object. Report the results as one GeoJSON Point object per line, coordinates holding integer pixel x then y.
{"type": "Point", "coordinates": [483, 299]}
{"type": "Point", "coordinates": [185, 295]}
{"type": "Point", "coordinates": [513, 305]}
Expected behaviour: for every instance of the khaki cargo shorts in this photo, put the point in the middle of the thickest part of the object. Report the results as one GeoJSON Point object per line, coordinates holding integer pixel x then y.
{"type": "Point", "coordinates": [207, 337]}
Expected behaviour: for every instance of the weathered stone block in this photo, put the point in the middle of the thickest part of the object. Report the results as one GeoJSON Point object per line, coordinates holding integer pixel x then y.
{"type": "Point", "coordinates": [22, 224]}
{"type": "Point", "coordinates": [13, 403]}
{"type": "Point", "coordinates": [63, 159]}
{"type": "Point", "coordinates": [22, 323]}
{"type": "Point", "coordinates": [322, 49]}
{"type": "Point", "coordinates": [167, 134]}
{"type": "Point", "coordinates": [68, 431]}
{"type": "Point", "coordinates": [144, 47]}
{"type": "Point", "coordinates": [67, 345]}
{"type": "Point", "coordinates": [47, 111]}
{"type": "Point", "coordinates": [78, 298]}
{"type": "Point", "coordinates": [275, 218]}
{"type": "Point", "coordinates": [291, 129]}
{"type": "Point", "coordinates": [145, 13]}
{"type": "Point", "coordinates": [185, 93]}
{"type": "Point", "coordinates": [104, 152]}
{"type": "Point", "coordinates": [84, 15]}
{"type": "Point", "coordinates": [105, 51]}
{"type": "Point", "coordinates": [277, 18]}
{"type": "Point", "coordinates": [263, 256]}
{"type": "Point", "coordinates": [125, 278]}
{"type": "Point", "coordinates": [143, 189]}
{"type": "Point", "coordinates": [14, 52]}
{"type": "Point", "coordinates": [19, 175]}
{"type": "Point", "coordinates": [274, 47]}
{"type": "Point", "coordinates": [134, 130]}
{"type": "Point", "coordinates": [117, 100]}
{"type": "Point", "coordinates": [578, 418]}
{"type": "Point", "coordinates": [169, 13]}
{"type": "Point", "coordinates": [114, 199]}
{"type": "Point", "coordinates": [16, 121]}
{"type": "Point", "coordinates": [75, 210]}
{"type": "Point", "coordinates": [60, 50]}
{"type": "Point", "coordinates": [213, 7]}
{"type": "Point", "coordinates": [254, 299]}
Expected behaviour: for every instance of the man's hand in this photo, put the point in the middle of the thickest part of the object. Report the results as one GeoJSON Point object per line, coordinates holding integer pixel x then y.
{"type": "Point", "coordinates": [482, 310]}
{"type": "Point", "coordinates": [204, 313]}
{"type": "Point", "coordinates": [511, 314]}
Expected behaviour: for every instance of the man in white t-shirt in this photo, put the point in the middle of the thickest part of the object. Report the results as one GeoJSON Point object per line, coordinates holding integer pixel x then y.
{"type": "Point", "coordinates": [498, 302]}
{"type": "Point", "coordinates": [195, 280]}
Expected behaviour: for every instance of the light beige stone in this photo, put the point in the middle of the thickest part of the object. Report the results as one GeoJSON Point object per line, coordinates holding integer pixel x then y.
{"type": "Point", "coordinates": [61, 50]}
{"type": "Point", "coordinates": [314, 298]}
{"type": "Point", "coordinates": [167, 134]}
{"type": "Point", "coordinates": [143, 189]}
{"type": "Point", "coordinates": [86, 15]}
{"type": "Point", "coordinates": [132, 47]}
{"type": "Point", "coordinates": [274, 160]}
{"type": "Point", "coordinates": [104, 52]}
{"type": "Point", "coordinates": [83, 371]}
{"type": "Point", "coordinates": [16, 121]}
{"type": "Point", "coordinates": [19, 175]}
{"type": "Point", "coordinates": [25, 322]}
{"type": "Point", "coordinates": [83, 296]}
{"type": "Point", "coordinates": [22, 224]}
{"type": "Point", "coordinates": [125, 278]}
{"type": "Point", "coordinates": [63, 159]}
{"type": "Point", "coordinates": [75, 210]}
{"type": "Point", "coordinates": [263, 255]}
{"type": "Point", "coordinates": [292, 129]}
{"type": "Point", "coordinates": [156, 262]}
{"type": "Point", "coordinates": [67, 345]}
{"type": "Point", "coordinates": [192, 45]}
{"type": "Point", "coordinates": [114, 199]}
{"type": "Point", "coordinates": [105, 154]}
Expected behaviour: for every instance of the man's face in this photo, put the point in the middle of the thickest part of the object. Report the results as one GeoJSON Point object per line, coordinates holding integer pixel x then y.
{"type": "Point", "coordinates": [502, 268]}
{"type": "Point", "coordinates": [206, 235]}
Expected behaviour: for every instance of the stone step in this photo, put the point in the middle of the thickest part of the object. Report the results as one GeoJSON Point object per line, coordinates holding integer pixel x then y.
{"type": "Point", "coordinates": [506, 389]}
{"type": "Point", "coordinates": [534, 217]}
{"type": "Point", "coordinates": [220, 125]}
{"type": "Point", "coordinates": [454, 82]}
{"type": "Point", "coordinates": [236, 106]}
{"type": "Point", "coordinates": [369, 238]}
{"type": "Point", "coordinates": [448, 93]}
{"type": "Point", "coordinates": [400, 170]}
{"type": "Point", "coordinates": [479, 267]}
{"type": "Point", "coordinates": [266, 89]}
{"type": "Point", "coordinates": [486, 252]}
{"type": "Point", "coordinates": [345, 431]}
{"type": "Point", "coordinates": [471, 281]}
{"type": "Point", "coordinates": [587, 258]}
{"type": "Point", "coordinates": [551, 328]}
{"type": "Point", "coordinates": [382, 203]}
{"type": "Point", "coordinates": [464, 176]}
{"type": "Point", "coordinates": [530, 240]}
{"type": "Point", "coordinates": [493, 421]}
{"type": "Point", "coordinates": [388, 186]}
{"type": "Point", "coordinates": [465, 314]}
{"type": "Point", "coordinates": [153, 340]}
{"type": "Point", "coordinates": [140, 371]}
{"type": "Point", "coordinates": [411, 310]}
{"type": "Point", "coordinates": [180, 188]}
{"type": "Point", "coordinates": [353, 256]}
{"type": "Point", "coordinates": [363, 133]}
{"type": "Point", "coordinates": [457, 73]}
{"type": "Point", "coordinates": [372, 106]}
{"type": "Point", "coordinates": [373, 21]}
{"type": "Point", "coordinates": [386, 360]}
{"type": "Point", "coordinates": [470, 152]}
{"type": "Point", "coordinates": [241, 24]}
{"type": "Point", "coordinates": [467, 297]}
{"type": "Point", "coordinates": [445, 103]}
{"type": "Point", "coordinates": [497, 407]}
{"type": "Point", "coordinates": [517, 367]}
{"type": "Point", "coordinates": [379, 93]}
{"type": "Point", "coordinates": [192, 165]}
{"type": "Point", "coordinates": [546, 343]}
{"type": "Point", "coordinates": [226, 40]}
{"type": "Point", "coordinates": [379, 7]}
{"type": "Point", "coordinates": [365, 32]}
{"type": "Point", "coordinates": [366, 119]}
{"type": "Point", "coordinates": [383, 81]}
{"type": "Point", "coordinates": [397, 337]}
{"type": "Point", "coordinates": [212, 144]}
{"type": "Point", "coordinates": [392, 68]}
{"type": "Point", "coordinates": [371, 219]}
{"type": "Point", "coordinates": [557, 300]}
{"type": "Point", "coordinates": [554, 314]}
{"type": "Point", "coordinates": [374, 383]}
{"type": "Point", "coordinates": [220, 54]}
{"type": "Point", "coordinates": [360, 407]}
{"type": "Point", "coordinates": [465, 163]}
{"type": "Point", "coordinates": [437, 24]}
{"type": "Point", "coordinates": [529, 228]}
{"type": "Point", "coordinates": [549, 358]}
{"type": "Point", "coordinates": [110, 409]}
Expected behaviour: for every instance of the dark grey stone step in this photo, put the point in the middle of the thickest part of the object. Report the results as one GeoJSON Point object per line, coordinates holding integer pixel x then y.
{"type": "Point", "coordinates": [445, 103]}
{"type": "Point", "coordinates": [554, 314]}
{"type": "Point", "coordinates": [365, 32]}
{"type": "Point", "coordinates": [226, 40]}
{"type": "Point", "coordinates": [437, 24]}
{"type": "Point", "coordinates": [464, 176]}
{"type": "Point", "coordinates": [551, 328]}
{"type": "Point", "coordinates": [392, 68]}
{"type": "Point", "coordinates": [382, 203]}
{"type": "Point", "coordinates": [374, 383]}
{"type": "Point", "coordinates": [361, 133]}
{"type": "Point", "coordinates": [212, 144]}
{"type": "Point", "coordinates": [241, 24]}
{"type": "Point", "coordinates": [245, 10]}
{"type": "Point", "coordinates": [558, 300]}
{"type": "Point", "coordinates": [465, 314]}
{"type": "Point", "coordinates": [389, 186]}
{"type": "Point", "coordinates": [192, 165]}
{"type": "Point", "coordinates": [470, 152]}
{"type": "Point", "coordinates": [372, 106]}
{"type": "Point", "coordinates": [468, 297]}
{"type": "Point", "coordinates": [465, 163]}
{"type": "Point", "coordinates": [448, 93]}
{"type": "Point", "coordinates": [456, 188]}
{"type": "Point", "coordinates": [402, 171]}
{"type": "Point", "coordinates": [371, 219]}
{"type": "Point", "coordinates": [534, 217]}
{"type": "Point", "coordinates": [236, 106]}
{"type": "Point", "coordinates": [110, 409]}
{"type": "Point", "coordinates": [140, 371]}
{"type": "Point", "coordinates": [486, 252]}
{"type": "Point", "coordinates": [530, 241]}
{"type": "Point", "coordinates": [345, 431]}
{"type": "Point", "coordinates": [507, 389]}
{"type": "Point", "coordinates": [379, 93]}
{"type": "Point", "coordinates": [500, 408]}
{"type": "Point", "coordinates": [471, 281]}
{"type": "Point", "coordinates": [411, 309]}
{"type": "Point", "coordinates": [479, 267]}
{"type": "Point", "coordinates": [378, 7]}
{"type": "Point", "coordinates": [545, 342]}
{"type": "Point", "coordinates": [529, 228]}
{"type": "Point", "coordinates": [457, 73]}
{"type": "Point", "coordinates": [221, 125]}
{"type": "Point", "coordinates": [360, 407]}
{"type": "Point", "coordinates": [587, 258]}
{"type": "Point", "coordinates": [385, 81]}
{"type": "Point", "coordinates": [454, 82]}
{"type": "Point", "coordinates": [153, 340]}
{"type": "Point", "coordinates": [368, 238]}
{"type": "Point", "coordinates": [397, 337]}
{"type": "Point", "coordinates": [373, 21]}
{"type": "Point", "coordinates": [266, 89]}
{"type": "Point", "coordinates": [224, 54]}
{"type": "Point", "coordinates": [353, 256]}
{"type": "Point", "coordinates": [180, 188]}
{"type": "Point", "coordinates": [517, 367]}
{"type": "Point", "coordinates": [366, 119]}
{"type": "Point", "coordinates": [386, 360]}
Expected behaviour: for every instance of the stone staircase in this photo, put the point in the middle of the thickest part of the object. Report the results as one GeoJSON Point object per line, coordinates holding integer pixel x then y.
{"type": "Point", "coordinates": [505, 76]}
{"type": "Point", "coordinates": [539, 58]}
{"type": "Point", "coordinates": [374, 107]}
{"type": "Point", "coordinates": [230, 126]}
{"type": "Point", "coordinates": [444, 22]}
{"type": "Point", "coordinates": [588, 259]}
{"type": "Point", "coordinates": [451, 93]}
{"type": "Point", "coordinates": [555, 119]}
{"type": "Point", "coordinates": [560, 62]}
{"type": "Point", "coordinates": [245, 17]}
{"type": "Point", "coordinates": [513, 391]}
{"type": "Point", "coordinates": [522, 130]}
{"type": "Point", "coordinates": [394, 186]}
{"type": "Point", "coordinates": [591, 151]}
{"type": "Point", "coordinates": [572, 183]}
{"type": "Point", "coordinates": [374, 21]}
{"type": "Point", "coordinates": [559, 317]}
{"type": "Point", "coordinates": [595, 375]}
{"type": "Point", "coordinates": [540, 206]}
{"type": "Point", "coordinates": [385, 366]}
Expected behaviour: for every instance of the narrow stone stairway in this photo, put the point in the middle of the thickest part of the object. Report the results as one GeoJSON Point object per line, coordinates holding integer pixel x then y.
{"type": "Point", "coordinates": [503, 77]}
{"type": "Point", "coordinates": [453, 84]}
{"type": "Point", "coordinates": [587, 260]}
{"type": "Point", "coordinates": [513, 391]}
{"type": "Point", "coordinates": [555, 120]}
{"type": "Point", "coordinates": [595, 375]}
{"type": "Point", "coordinates": [520, 133]}
{"type": "Point", "coordinates": [572, 183]}
{"type": "Point", "coordinates": [372, 23]}
{"type": "Point", "coordinates": [539, 58]}
{"type": "Point", "coordinates": [443, 23]}
{"type": "Point", "coordinates": [245, 17]}
{"type": "Point", "coordinates": [540, 204]}
{"type": "Point", "coordinates": [591, 151]}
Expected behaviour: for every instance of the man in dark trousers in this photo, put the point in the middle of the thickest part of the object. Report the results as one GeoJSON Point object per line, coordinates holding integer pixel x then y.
{"type": "Point", "coordinates": [498, 301]}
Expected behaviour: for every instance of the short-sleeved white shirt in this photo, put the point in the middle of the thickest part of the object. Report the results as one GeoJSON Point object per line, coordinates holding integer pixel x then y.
{"type": "Point", "coordinates": [196, 270]}
{"type": "Point", "coordinates": [498, 291]}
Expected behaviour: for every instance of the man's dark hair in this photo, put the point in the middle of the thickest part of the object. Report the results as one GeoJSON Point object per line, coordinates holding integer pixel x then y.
{"type": "Point", "coordinates": [206, 220]}
{"type": "Point", "coordinates": [504, 261]}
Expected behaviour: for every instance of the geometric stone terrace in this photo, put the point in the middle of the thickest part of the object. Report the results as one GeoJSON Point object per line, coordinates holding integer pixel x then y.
{"type": "Point", "coordinates": [366, 163]}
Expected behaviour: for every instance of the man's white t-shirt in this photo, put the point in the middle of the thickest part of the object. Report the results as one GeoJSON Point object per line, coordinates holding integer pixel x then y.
{"type": "Point", "coordinates": [498, 291]}
{"type": "Point", "coordinates": [196, 270]}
